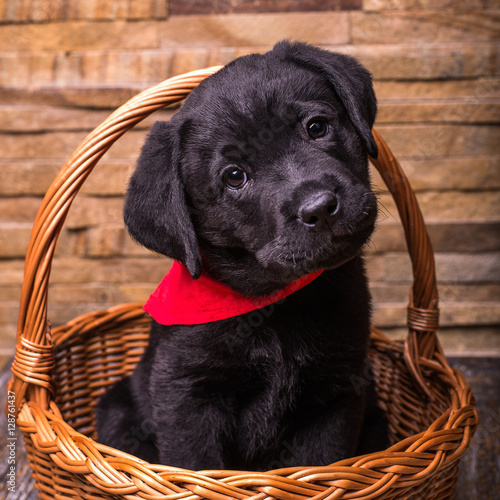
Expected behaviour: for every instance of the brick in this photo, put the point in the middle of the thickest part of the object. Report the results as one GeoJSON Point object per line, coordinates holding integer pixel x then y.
{"type": "Point", "coordinates": [389, 315]}
{"type": "Point", "coordinates": [33, 178]}
{"type": "Point", "coordinates": [388, 237]}
{"type": "Point", "coordinates": [114, 270]}
{"type": "Point", "coordinates": [131, 9]}
{"type": "Point", "coordinates": [426, 61]}
{"type": "Point", "coordinates": [5, 358]}
{"type": "Point", "coordinates": [8, 339]}
{"type": "Point", "coordinates": [43, 65]}
{"type": "Point", "coordinates": [105, 240]}
{"type": "Point", "coordinates": [100, 294]}
{"type": "Point", "coordinates": [184, 61]}
{"type": "Point", "coordinates": [425, 141]}
{"type": "Point", "coordinates": [421, 27]}
{"type": "Point", "coordinates": [97, 10]}
{"type": "Point", "coordinates": [448, 292]}
{"type": "Point", "coordinates": [70, 243]}
{"type": "Point", "coordinates": [465, 268]}
{"type": "Point", "coordinates": [149, 67]}
{"type": "Point", "coordinates": [129, 146]}
{"type": "Point", "coordinates": [451, 268]}
{"type": "Point", "coordinates": [451, 314]}
{"type": "Point", "coordinates": [221, 56]}
{"type": "Point", "coordinates": [137, 292]}
{"type": "Point", "coordinates": [108, 178]}
{"type": "Point", "coordinates": [14, 239]}
{"type": "Point", "coordinates": [67, 68]}
{"type": "Point", "coordinates": [415, 5]}
{"type": "Point", "coordinates": [133, 249]}
{"type": "Point", "coordinates": [397, 268]}
{"type": "Point", "coordinates": [85, 96]}
{"type": "Point", "coordinates": [375, 267]}
{"type": "Point", "coordinates": [46, 10]}
{"type": "Point", "coordinates": [60, 145]}
{"type": "Point", "coordinates": [26, 178]}
{"type": "Point", "coordinates": [159, 9]}
{"type": "Point", "coordinates": [47, 118]}
{"type": "Point", "coordinates": [10, 292]}
{"type": "Point", "coordinates": [153, 67]}
{"type": "Point", "coordinates": [472, 341]}
{"type": "Point", "coordinates": [36, 10]}
{"type": "Point", "coordinates": [473, 89]}
{"type": "Point", "coordinates": [454, 111]}
{"type": "Point", "coordinates": [447, 206]}
{"type": "Point", "coordinates": [459, 205]}
{"type": "Point", "coordinates": [448, 173]}
{"type": "Point", "coordinates": [383, 293]}
{"type": "Point", "coordinates": [93, 67]}
{"type": "Point", "coordinates": [466, 237]}
{"type": "Point", "coordinates": [472, 313]}
{"type": "Point", "coordinates": [88, 97]}
{"type": "Point", "coordinates": [247, 30]}
{"type": "Point", "coordinates": [15, 69]}
{"type": "Point", "coordinates": [446, 236]}
{"type": "Point", "coordinates": [90, 211]}
{"type": "Point", "coordinates": [8, 312]}
{"type": "Point", "coordinates": [36, 146]}
{"type": "Point", "coordinates": [138, 9]}
{"type": "Point", "coordinates": [19, 209]}
{"type": "Point", "coordinates": [80, 35]}
{"type": "Point", "coordinates": [11, 271]}
{"type": "Point", "coordinates": [469, 292]}
{"type": "Point", "coordinates": [179, 7]}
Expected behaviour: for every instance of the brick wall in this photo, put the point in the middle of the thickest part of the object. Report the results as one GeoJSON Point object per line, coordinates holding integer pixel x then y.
{"type": "Point", "coordinates": [64, 65]}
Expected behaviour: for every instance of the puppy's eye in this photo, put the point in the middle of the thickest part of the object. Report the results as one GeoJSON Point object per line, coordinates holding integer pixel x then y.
{"type": "Point", "coordinates": [235, 178]}
{"type": "Point", "coordinates": [317, 128]}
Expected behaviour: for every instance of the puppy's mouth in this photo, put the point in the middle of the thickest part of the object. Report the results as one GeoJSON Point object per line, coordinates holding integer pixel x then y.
{"type": "Point", "coordinates": [294, 257]}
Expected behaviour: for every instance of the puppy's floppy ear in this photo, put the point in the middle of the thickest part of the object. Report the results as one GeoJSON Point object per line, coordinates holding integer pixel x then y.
{"type": "Point", "coordinates": [155, 210]}
{"type": "Point", "coordinates": [351, 81]}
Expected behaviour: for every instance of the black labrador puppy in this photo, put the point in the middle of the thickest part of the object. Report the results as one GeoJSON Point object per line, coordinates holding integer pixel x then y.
{"type": "Point", "coordinates": [259, 185]}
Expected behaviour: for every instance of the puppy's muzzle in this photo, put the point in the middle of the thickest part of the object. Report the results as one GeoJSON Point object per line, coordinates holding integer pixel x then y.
{"type": "Point", "coordinates": [319, 210]}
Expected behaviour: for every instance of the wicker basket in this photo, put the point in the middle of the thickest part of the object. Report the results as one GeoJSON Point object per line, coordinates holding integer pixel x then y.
{"type": "Point", "coordinates": [59, 375]}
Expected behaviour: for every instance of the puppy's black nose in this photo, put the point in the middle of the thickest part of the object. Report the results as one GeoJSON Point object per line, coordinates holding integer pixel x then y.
{"type": "Point", "coordinates": [318, 210]}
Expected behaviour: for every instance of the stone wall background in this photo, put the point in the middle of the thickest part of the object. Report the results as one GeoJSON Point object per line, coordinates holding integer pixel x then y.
{"type": "Point", "coordinates": [65, 65]}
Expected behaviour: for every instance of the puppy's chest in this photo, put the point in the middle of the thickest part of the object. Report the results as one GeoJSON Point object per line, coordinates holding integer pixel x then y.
{"type": "Point", "coordinates": [274, 375]}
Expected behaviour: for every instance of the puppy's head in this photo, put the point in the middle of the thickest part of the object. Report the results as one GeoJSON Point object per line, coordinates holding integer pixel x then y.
{"type": "Point", "coordinates": [262, 176]}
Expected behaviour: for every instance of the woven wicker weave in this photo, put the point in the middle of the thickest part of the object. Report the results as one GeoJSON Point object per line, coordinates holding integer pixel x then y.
{"type": "Point", "coordinates": [59, 375]}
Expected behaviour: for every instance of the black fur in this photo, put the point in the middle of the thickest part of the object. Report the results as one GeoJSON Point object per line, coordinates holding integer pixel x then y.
{"type": "Point", "coordinates": [284, 385]}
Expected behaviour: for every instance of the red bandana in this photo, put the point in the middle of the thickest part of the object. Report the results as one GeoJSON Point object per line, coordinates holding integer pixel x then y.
{"type": "Point", "coordinates": [181, 300]}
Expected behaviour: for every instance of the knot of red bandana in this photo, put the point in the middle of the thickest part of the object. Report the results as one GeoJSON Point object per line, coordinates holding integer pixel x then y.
{"type": "Point", "coordinates": [181, 300]}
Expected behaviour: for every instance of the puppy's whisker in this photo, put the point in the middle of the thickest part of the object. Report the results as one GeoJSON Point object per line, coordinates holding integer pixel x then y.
{"type": "Point", "coordinates": [370, 244]}
{"type": "Point", "coordinates": [384, 211]}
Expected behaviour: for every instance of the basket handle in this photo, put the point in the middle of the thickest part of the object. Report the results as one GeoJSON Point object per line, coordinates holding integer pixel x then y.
{"type": "Point", "coordinates": [423, 311]}
{"type": "Point", "coordinates": [33, 359]}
